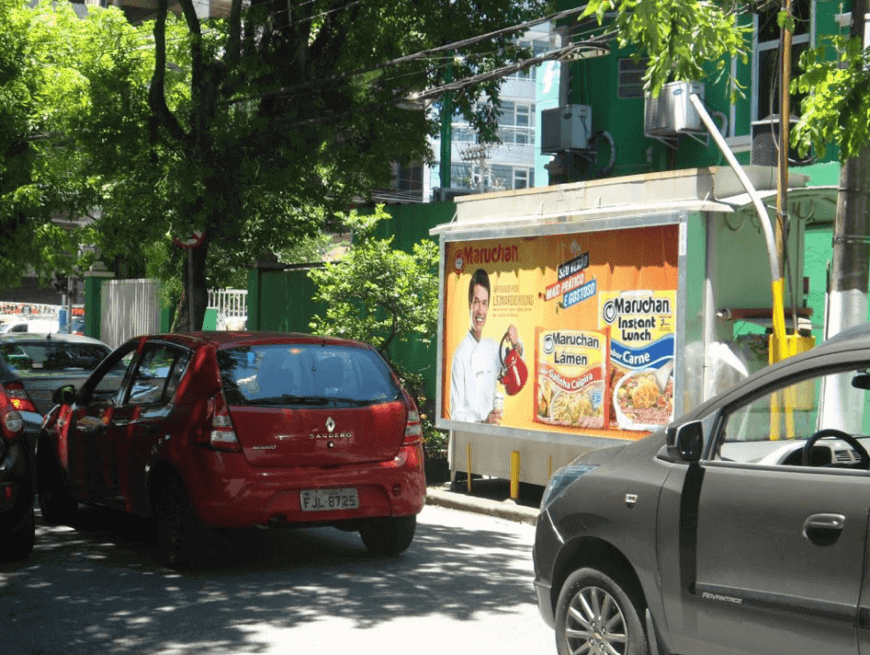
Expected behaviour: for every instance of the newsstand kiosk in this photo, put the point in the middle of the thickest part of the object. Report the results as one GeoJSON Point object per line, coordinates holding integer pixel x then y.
{"type": "Point", "coordinates": [624, 294]}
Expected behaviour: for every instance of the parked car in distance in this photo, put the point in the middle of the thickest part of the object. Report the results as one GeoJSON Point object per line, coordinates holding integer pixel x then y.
{"type": "Point", "coordinates": [30, 325]}
{"type": "Point", "coordinates": [44, 362]}
{"type": "Point", "coordinates": [19, 425]}
{"type": "Point", "coordinates": [742, 528]}
{"type": "Point", "coordinates": [230, 429]}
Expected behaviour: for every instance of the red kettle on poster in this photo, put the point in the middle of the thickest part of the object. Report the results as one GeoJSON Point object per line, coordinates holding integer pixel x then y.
{"type": "Point", "coordinates": [513, 369]}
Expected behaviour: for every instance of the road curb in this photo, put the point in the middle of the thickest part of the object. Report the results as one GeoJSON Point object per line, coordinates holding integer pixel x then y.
{"type": "Point", "coordinates": [505, 509]}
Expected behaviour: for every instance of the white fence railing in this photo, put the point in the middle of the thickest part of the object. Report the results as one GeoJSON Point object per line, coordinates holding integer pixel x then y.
{"type": "Point", "coordinates": [129, 308]}
{"type": "Point", "coordinates": [231, 306]}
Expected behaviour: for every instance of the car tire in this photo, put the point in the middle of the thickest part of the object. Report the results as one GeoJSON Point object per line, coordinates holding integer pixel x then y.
{"type": "Point", "coordinates": [177, 526]}
{"type": "Point", "coordinates": [18, 543]}
{"type": "Point", "coordinates": [388, 536]}
{"type": "Point", "coordinates": [55, 503]}
{"type": "Point", "coordinates": [596, 613]}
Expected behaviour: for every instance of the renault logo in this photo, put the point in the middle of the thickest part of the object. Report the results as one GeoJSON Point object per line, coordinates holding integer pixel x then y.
{"type": "Point", "coordinates": [330, 424]}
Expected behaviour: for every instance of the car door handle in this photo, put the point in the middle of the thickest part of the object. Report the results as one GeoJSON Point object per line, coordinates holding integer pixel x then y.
{"type": "Point", "coordinates": [824, 529]}
{"type": "Point", "coordinates": [825, 522]}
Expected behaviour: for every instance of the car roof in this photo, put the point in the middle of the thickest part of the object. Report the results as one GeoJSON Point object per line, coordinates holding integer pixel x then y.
{"type": "Point", "coordinates": [225, 339]}
{"type": "Point", "coordinates": [31, 337]}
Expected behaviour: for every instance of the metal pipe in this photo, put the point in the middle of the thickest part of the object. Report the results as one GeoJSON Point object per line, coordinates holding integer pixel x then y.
{"type": "Point", "coordinates": [468, 466]}
{"type": "Point", "coordinates": [515, 474]}
{"type": "Point", "coordinates": [772, 254]}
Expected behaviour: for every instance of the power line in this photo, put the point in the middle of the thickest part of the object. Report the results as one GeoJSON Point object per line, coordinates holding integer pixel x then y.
{"type": "Point", "coordinates": [450, 47]}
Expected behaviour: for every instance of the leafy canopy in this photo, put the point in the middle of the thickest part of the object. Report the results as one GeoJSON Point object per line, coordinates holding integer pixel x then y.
{"type": "Point", "coordinates": [682, 38]}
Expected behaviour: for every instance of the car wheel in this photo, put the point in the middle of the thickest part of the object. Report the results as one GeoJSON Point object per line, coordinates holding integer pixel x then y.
{"type": "Point", "coordinates": [56, 505]}
{"type": "Point", "coordinates": [18, 543]}
{"type": "Point", "coordinates": [388, 536]}
{"type": "Point", "coordinates": [595, 615]}
{"type": "Point", "coordinates": [177, 526]}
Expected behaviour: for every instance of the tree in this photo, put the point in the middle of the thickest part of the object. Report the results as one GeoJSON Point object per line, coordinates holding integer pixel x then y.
{"type": "Point", "coordinates": [29, 193]}
{"type": "Point", "coordinates": [260, 127]}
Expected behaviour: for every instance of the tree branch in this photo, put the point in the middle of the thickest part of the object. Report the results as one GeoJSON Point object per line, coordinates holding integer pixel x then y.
{"type": "Point", "coordinates": [157, 90]}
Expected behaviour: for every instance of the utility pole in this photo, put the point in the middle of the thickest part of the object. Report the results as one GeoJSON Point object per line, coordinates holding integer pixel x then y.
{"type": "Point", "coordinates": [847, 304]}
{"type": "Point", "coordinates": [446, 133]}
{"type": "Point", "coordinates": [781, 226]}
{"type": "Point", "coordinates": [847, 295]}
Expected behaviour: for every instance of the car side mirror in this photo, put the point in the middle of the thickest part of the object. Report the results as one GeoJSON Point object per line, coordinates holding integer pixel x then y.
{"type": "Point", "coordinates": [861, 380]}
{"type": "Point", "coordinates": [686, 441]}
{"type": "Point", "coordinates": [63, 395]}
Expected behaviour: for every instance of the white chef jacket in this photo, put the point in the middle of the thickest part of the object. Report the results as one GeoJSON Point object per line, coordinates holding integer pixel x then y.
{"type": "Point", "coordinates": [473, 378]}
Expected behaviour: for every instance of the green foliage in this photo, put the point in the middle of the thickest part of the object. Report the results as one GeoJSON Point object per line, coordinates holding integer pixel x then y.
{"type": "Point", "coordinates": [378, 294]}
{"type": "Point", "coordinates": [836, 109]}
{"type": "Point", "coordinates": [682, 38]}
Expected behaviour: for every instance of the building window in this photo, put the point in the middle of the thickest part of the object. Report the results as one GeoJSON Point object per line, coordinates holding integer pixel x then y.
{"type": "Point", "coordinates": [523, 178]}
{"type": "Point", "coordinates": [516, 123]}
{"type": "Point", "coordinates": [631, 78]}
{"type": "Point", "coordinates": [537, 48]}
{"type": "Point", "coordinates": [766, 60]}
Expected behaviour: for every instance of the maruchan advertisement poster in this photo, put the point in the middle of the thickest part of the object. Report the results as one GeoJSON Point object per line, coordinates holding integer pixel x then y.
{"type": "Point", "coordinates": [566, 333]}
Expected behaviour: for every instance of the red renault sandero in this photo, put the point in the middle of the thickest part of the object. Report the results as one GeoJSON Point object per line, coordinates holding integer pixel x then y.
{"type": "Point", "coordinates": [238, 429]}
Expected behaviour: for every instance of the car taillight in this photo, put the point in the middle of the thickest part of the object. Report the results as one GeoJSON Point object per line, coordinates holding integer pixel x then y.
{"type": "Point", "coordinates": [221, 434]}
{"type": "Point", "coordinates": [18, 397]}
{"type": "Point", "coordinates": [12, 424]}
{"type": "Point", "coordinates": [413, 427]}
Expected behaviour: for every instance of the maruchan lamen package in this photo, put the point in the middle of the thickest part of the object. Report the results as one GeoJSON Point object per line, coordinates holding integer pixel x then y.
{"type": "Point", "coordinates": [570, 375]}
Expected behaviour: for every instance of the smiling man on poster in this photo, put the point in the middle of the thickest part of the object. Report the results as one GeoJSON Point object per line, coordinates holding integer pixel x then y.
{"type": "Point", "coordinates": [477, 362]}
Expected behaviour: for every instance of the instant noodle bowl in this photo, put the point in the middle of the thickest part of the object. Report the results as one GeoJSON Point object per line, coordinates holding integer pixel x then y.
{"type": "Point", "coordinates": [639, 402]}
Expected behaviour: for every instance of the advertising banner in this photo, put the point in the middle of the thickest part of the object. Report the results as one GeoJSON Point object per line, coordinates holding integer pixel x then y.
{"type": "Point", "coordinates": [569, 333]}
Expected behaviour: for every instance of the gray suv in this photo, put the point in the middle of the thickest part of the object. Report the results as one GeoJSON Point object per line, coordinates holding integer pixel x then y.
{"type": "Point", "coordinates": [743, 528]}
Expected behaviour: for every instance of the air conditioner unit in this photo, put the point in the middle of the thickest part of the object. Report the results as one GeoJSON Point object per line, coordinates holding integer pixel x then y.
{"type": "Point", "coordinates": [672, 112]}
{"type": "Point", "coordinates": [765, 142]}
{"type": "Point", "coordinates": [441, 194]}
{"type": "Point", "coordinates": [565, 128]}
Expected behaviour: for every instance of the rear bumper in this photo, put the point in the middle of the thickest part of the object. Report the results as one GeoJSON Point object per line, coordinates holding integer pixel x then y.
{"type": "Point", "coordinates": [227, 492]}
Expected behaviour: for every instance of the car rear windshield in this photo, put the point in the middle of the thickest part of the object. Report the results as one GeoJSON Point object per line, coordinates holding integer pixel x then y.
{"type": "Point", "coordinates": [305, 375]}
{"type": "Point", "coordinates": [52, 357]}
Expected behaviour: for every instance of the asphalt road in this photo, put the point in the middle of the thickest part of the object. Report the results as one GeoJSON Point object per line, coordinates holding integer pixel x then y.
{"type": "Point", "coordinates": [464, 585]}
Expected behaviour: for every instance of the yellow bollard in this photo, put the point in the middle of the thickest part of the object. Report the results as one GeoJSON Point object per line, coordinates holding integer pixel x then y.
{"type": "Point", "coordinates": [515, 474]}
{"type": "Point", "coordinates": [468, 466]}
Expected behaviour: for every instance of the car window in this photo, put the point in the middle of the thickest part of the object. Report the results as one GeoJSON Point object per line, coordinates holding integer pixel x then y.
{"type": "Point", "coordinates": [773, 428]}
{"type": "Point", "coordinates": [305, 374]}
{"type": "Point", "coordinates": [106, 384]}
{"type": "Point", "coordinates": [52, 357]}
{"type": "Point", "coordinates": [157, 374]}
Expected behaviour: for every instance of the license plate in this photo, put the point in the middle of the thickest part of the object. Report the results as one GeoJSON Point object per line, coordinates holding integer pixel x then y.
{"type": "Point", "coordinates": [325, 500]}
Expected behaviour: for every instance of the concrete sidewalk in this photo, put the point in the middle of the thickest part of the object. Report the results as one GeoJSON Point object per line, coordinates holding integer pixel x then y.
{"type": "Point", "coordinates": [488, 496]}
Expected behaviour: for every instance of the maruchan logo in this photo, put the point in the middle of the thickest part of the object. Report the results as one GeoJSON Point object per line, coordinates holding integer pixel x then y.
{"type": "Point", "coordinates": [549, 344]}
{"type": "Point", "coordinates": [616, 307]}
{"type": "Point", "coordinates": [609, 313]}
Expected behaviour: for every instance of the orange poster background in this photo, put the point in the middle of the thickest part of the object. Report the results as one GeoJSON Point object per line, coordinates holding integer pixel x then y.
{"type": "Point", "coordinates": [521, 269]}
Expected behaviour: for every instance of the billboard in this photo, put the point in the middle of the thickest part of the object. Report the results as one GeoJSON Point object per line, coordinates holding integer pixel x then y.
{"type": "Point", "coordinates": [570, 333]}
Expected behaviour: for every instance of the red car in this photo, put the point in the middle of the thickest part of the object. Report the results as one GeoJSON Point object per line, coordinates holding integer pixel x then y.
{"type": "Point", "coordinates": [238, 429]}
